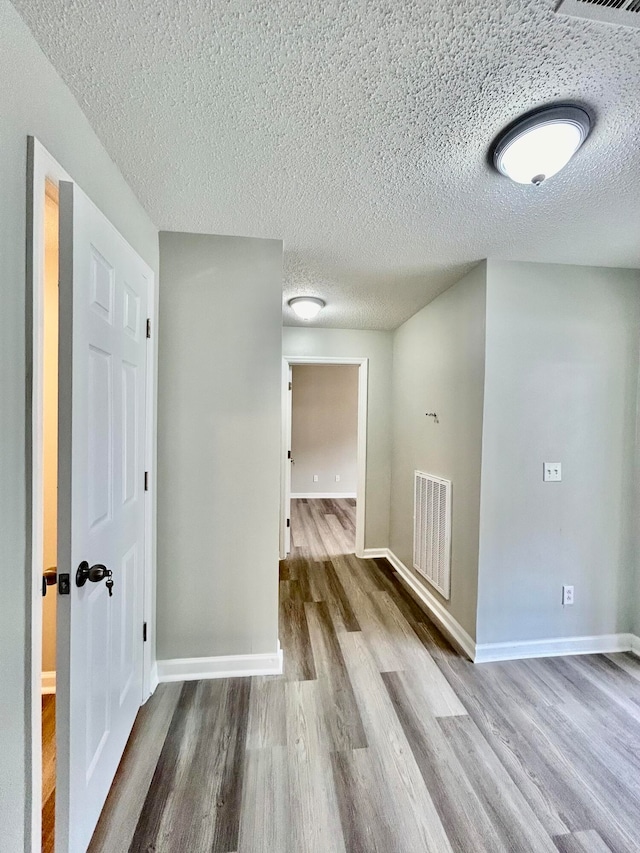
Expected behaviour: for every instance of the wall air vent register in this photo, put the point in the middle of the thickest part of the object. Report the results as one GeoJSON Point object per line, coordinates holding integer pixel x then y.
{"type": "Point", "coordinates": [622, 13]}
{"type": "Point", "coordinates": [432, 530]}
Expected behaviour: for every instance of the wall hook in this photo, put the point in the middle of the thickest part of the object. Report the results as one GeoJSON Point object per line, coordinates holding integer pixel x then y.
{"type": "Point", "coordinates": [434, 416]}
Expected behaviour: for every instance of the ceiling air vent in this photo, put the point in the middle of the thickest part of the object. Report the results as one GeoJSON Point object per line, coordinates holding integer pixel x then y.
{"type": "Point", "coordinates": [622, 13]}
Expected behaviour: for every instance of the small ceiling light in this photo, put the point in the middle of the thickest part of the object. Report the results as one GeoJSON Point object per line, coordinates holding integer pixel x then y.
{"type": "Point", "coordinates": [306, 307]}
{"type": "Point", "coordinates": [539, 144]}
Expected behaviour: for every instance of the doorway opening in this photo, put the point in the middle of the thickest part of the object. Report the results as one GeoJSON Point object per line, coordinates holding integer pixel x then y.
{"type": "Point", "coordinates": [105, 447]}
{"type": "Point", "coordinates": [324, 451]}
{"type": "Point", "coordinates": [49, 402]}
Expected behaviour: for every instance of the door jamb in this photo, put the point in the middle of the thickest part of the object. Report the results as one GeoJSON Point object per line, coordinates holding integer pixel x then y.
{"type": "Point", "coordinates": [41, 166]}
{"type": "Point", "coordinates": [363, 390]}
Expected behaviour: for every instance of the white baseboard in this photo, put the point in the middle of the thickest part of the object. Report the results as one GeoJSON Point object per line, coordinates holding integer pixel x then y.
{"type": "Point", "coordinates": [325, 495]}
{"type": "Point", "coordinates": [229, 666]}
{"type": "Point", "coordinates": [436, 610]}
{"type": "Point", "coordinates": [486, 652]}
{"type": "Point", "coordinates": [554, 647]}
{"type": "Point", "coordinates": [48, 682]}
{"type": "Point", "coordinates": [153, 677]}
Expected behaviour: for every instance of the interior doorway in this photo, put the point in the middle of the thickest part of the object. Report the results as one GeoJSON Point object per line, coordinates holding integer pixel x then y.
{"type": "Point", "coordinates": [324, 445]}
{"type": "Point", "coordinates": [49, 509]}
{"type": "Point", "coordinates": [324, 450]}
{"type": "Point", "coordinates": [91, 307]}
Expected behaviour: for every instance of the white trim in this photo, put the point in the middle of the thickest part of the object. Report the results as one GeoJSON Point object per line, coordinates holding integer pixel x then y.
{"type": "Point", "coordinates": [229, 666]}
{"type": "Point", "coordinates": [436, 610]}
{"type": "Point", "coordinates": [327, 495]}
{"type": "Point", "coordinates": [363, 392]}
{"type": "Point", "coordinates": [320, 359]}
{"type": "Point", "coordinates": [150, 503]}
{"type": "Point", "coordinates": [488, 652]}
{"type": "Point", "coordinates": [285, 460]}
{"type": "Point", "coordinates": [363, 408]}
{"type": "Point", "coordinates": [375, 554]}
{"type": "Point", "coordinates": [48, 682]}
{"type": "Point", "coordinates": [554, 647]}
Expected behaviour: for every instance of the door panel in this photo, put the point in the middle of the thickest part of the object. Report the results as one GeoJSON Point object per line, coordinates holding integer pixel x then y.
{"type": "Point", "coordinates": [130, 430]}
{"type": "Point", "coordinates": [100, 439]}
{"type": "Point", "coordinates": [103, 299]}
{"type": "Point", "coordinates": [128, 634]}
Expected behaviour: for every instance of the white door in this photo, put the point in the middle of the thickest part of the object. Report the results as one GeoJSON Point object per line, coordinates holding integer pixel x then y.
{"type": "Point", "coordinates": [102, 367]}
{"type": "Point", "coordinates": [288, 460]}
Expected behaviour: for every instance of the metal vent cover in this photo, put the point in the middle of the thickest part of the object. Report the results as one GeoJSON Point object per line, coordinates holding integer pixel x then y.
{"type": "Point", "coordinates": [622, 13]}
{"type": "Point", "coordinates": [432, 530]}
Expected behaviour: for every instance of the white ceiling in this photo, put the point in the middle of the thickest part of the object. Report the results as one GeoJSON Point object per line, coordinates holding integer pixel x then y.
{"type": "Point", "coordinates": [357, 131]}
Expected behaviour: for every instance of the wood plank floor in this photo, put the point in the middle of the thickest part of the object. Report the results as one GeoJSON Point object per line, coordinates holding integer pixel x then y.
{"type": "Point", "coordinates": [380, 736]}
{"type": "Point", "coordinates": [48, 771]}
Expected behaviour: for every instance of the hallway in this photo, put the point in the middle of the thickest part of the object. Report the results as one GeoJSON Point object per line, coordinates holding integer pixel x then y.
{"type": "Point", "coordinates": [379, 736]}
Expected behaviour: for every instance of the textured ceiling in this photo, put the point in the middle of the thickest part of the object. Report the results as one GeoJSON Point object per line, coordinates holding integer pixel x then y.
{"type": "Point", "coordinates": [358, 132]}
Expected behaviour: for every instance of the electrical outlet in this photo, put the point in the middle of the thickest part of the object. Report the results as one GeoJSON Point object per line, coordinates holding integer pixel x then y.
{"type": "Point", "coordinates": [337, 478]}
{"type": "Point", "coordinates": [552, 472]}
{"type": "Point", "coordinates": [315, 478]}
{"type": "Point", "coordinates": [567, 595]}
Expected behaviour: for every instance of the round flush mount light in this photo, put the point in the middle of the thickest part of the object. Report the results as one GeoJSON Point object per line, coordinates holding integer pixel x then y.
{"type": "Point", "coordinates": [539, 144]}
{"type": "Point", "coordinates": [306, 307]}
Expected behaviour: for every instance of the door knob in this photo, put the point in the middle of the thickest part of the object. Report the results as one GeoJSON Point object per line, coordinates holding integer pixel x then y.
{"type": "Point", "coordinates": [95, 573]}
{"type": "Point", "coordinates": [49, 578]}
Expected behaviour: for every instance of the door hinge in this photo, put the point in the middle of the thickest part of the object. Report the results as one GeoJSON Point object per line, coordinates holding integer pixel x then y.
{"type": "Point", "coordinates": [146, 481]}
{"type": "Point", "coordinates": [148, 327]}
{"type": "Point", "coordinates": [144, 632]}
{"type": "Point", "coordinates": [290, 386]}
{"type": "Point", "coordinates": [288, 454]}
{"type": "Point", "coordinates": [288, 522]}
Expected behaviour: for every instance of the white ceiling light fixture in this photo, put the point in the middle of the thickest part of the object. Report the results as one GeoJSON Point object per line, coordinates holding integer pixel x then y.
{"type": "Point", "coordinates": [306, 307]}
{"type": "Point", "coordinates": [539, 144]}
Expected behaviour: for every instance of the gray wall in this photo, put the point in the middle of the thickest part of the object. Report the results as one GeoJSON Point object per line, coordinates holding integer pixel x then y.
{"type": "Point", "coordinates": [34, 101]}
{"type": "Point", "coordinates": [438, 366]}
{"type": "Point", "coordinates": [220, 352]}
{"type": "Point", "coordinates": [377, 347]}
{"type": "Point", "coordinates": [324, 428]}
{"type": "Point", "coordinates": [561, 385]}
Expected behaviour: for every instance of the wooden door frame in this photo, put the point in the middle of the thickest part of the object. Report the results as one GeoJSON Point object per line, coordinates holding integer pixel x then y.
{"type": "Point", "coordinates": [363, 392]}
{"type": "Point", "coordinates": [41, 166]}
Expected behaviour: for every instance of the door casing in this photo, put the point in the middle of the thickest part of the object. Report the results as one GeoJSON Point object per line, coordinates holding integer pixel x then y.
{"type": "Point", "coordinates": [41, 166]}
{"type": "Point", "coordinates": [363, 390]}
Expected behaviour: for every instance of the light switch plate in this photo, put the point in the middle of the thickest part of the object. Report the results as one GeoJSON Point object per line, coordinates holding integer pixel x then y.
{"type": "Point", "coordinates": [552, 472]}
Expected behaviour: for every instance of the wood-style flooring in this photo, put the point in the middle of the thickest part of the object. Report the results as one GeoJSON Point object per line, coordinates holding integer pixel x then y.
{"type": "Point", "coordinates": [380, 736]}
{"type": "Point", "coordinates": [48, 771]}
